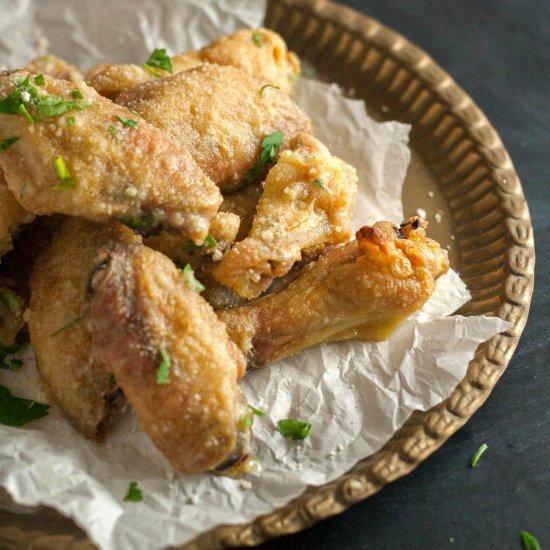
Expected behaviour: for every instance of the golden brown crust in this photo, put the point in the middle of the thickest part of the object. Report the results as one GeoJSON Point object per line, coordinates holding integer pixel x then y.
{"type": "Point", "coordinates": [364, 290]}
{"type": "Point", "coordinates": [218, 115]}
{"type": "Point", "coordinates": [141, 307]}
{"type": "Point", "coordinates": [306, 205]}
{"type": "Point", "coordinates": [55, 67]}
{"type": "Point", "coordinates": [135, 174]}
{"type": "Point", "coordinates": [79, 384]}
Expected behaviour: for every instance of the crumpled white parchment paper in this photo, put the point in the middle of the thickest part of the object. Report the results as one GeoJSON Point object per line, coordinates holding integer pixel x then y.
{"type": "Point", "coordinates": [355, 395]}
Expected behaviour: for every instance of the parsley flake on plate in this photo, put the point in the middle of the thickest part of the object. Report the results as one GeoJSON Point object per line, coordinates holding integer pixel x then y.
{"type": "Point", "coordinates": [158, 60]}
{"type": "Point", "coordinates": [529, 541]}
{"type": "Point", "coordinates": [63, 175]}
{"type": "Point", "coordinates": [163, 371]}
{"type": "Point", "coordinates": [5, 143]}
{"type": "Point", "coordinates": [134, 493]}
{"type": "Point", "coordinates": [189, 276]}
{"type": "Point", "coordinates": [293, 429]}
{"type": "Point", "coordinates": [16, 411]}
{"type": "Point", "coordinates": [477, 455]}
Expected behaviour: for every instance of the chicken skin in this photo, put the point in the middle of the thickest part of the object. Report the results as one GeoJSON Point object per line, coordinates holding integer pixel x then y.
{"type": "Point", "coordinates": [220, 115]}
{"type": "Point", "coordinates": [171, 356]}
{"type": "Point", "coordinates": [261, 53]}
{"type": "Point", "coordinates": [78, 383]}
{"type": "Point", "coordinates": [363, 289]}
{"type": "Point", "coordinates": [306, 206]}
{"type": "Point", "coordinates": [80, 154]}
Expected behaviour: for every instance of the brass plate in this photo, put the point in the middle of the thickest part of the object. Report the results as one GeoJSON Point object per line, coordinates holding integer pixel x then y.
{"type": "Point", "coordinates": [459, 157]}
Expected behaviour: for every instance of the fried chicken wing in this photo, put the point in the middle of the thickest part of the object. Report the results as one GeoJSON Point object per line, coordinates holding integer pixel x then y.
{"type": "Point", "coordinates": [81, 385]}
{"type": "Point", "coordinates": [55, 67]}
{"type": "Point", "coordinates": [171, 356]}
{"type": "Point", "coordinates": [12, 215]}
{"type": "Point", "coordinates": [306, 206]}
{"type": "Point", "coordinates": [363, 290]}
{"type": "Point", "coordinates": [82, 155]}
{"type": "Point", "coordinates": [260, 53]}
{"type": "Point", "coordinates": [220, 115]}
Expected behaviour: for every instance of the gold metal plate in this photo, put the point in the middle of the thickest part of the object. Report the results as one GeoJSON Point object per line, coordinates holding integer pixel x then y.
{"type": "Point", "coordinates": [459, 157]}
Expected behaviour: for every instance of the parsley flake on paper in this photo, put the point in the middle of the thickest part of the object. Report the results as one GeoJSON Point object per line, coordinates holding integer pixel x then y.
{"type": "Point", "coordinates": [293, 429]}
{"type": "Point", "coordinates": [134, 493]}
{"type": "Point", "coordinates": [16, 411]}
{"type": "Point", "coordinates": [163, 371]}
{"type": "Point", "coordinates": [158, 60]}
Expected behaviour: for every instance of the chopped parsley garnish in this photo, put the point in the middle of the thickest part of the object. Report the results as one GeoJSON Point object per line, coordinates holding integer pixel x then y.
{"type": "Point", "coordinates": [256, 411]}
{"type": "Point", "coordinates": [209, 242]}
{"type": "Point", "coordinates": [76, 94]}
{"type": "Point", "coordinates": [477, 455]}
{"type": "Point", "coordinates": [158, 60]}
{"type": "Point", "coordinates": [5, 143]}
{"type": "Point", "coordinates": [529, 541]}
{"type": "Point", "coordinates": [246, 420]}
{"type": "Point", "coordinates": [67, 325]}
{"type": "Point", "coordinates": [113, 130]}
{"type": "Point", "coordinates": [163, 372]}
{"type": "Point", "coordinates": [262, 89]}
{"type": "Point", "coordinates": [39, 80]}
{"type": "Point", "coordinates": [257, 39]}
{"type": "Point", "coordinates": [134, 493]}
{"type": "Point", "coordinates": [63, 175]}
{"type": "Point", "coordinates": [189, 276]}
{"type": "Point", "coordinates": [10, 364]}
{"type": "Point", "coordinates": [70, 121]}
{"type": "Point", "coordinates": [320, 183]}
{"type": "Point", "coordinates": [26, 100]}
{"type": "Point", "coordinates": [12, 300]}
{"type": "Point", "coordinates": [143, 223]}
{"type": "Point", "coordinates": [128, 122]}
{"type": "Point", "coordinates": [16, 411]}
{"type": "Point", "coordinates": [293, 429]}
{"type": "Point", "coordinates": [270, 148]}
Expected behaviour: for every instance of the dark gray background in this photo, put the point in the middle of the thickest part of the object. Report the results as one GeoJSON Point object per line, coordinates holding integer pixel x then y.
{"type": "Point", "coordinates": [499, 52]}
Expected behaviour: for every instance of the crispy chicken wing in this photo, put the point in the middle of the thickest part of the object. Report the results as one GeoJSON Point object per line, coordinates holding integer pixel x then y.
{"type": "Point", "coordinates": [55, 67]}
{"type": "Point", "coordinates": [220, 115]}
{"type": "Point", "coordinates": [80, 384]}
{"type": "Point", "coordinates": [172, 358]}
{"type": "Point", "coordinates": [258, 52]}
{"type": "Point", "coordinates": [364, 290]}
{"type": "Point", "coordinates": [82, 155]}
{"type": "Point", "coordinates": [306, 205]}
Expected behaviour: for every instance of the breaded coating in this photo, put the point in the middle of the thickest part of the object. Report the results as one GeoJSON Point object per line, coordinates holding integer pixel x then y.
{"type": "Point", "coordinates": [12, 215]}
{"type": "Point", "coordinates": [78, 383]}
{"type": "Point", "coordinates": [306, 205]}
{"type": "Point", "coordinates": [109, 80]}
{"type": "Point", "coordinates": [97, 160]}
{"type": "Point", "coordinates": [55, 67]}
{"type": "Point", "coordinates": [243, 203]}
{"type": "Point", "coordinates": [172, 358]}
{"type": "Point", "coordinates": [221, 235]}
{"type": "Point", "coordinates": [362, 290]}
{"type": "Point", "coordinates": [260, 53]}
{"type": "Point", "coordinates": [220, 115]}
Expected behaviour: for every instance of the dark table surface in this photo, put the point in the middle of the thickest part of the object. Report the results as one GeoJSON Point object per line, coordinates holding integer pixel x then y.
{"type": "Point", "coordinates": [499, 52]}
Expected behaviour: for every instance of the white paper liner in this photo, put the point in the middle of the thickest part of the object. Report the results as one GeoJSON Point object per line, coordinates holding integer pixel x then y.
{"type": "Point", "coordinates": [355, 395]}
